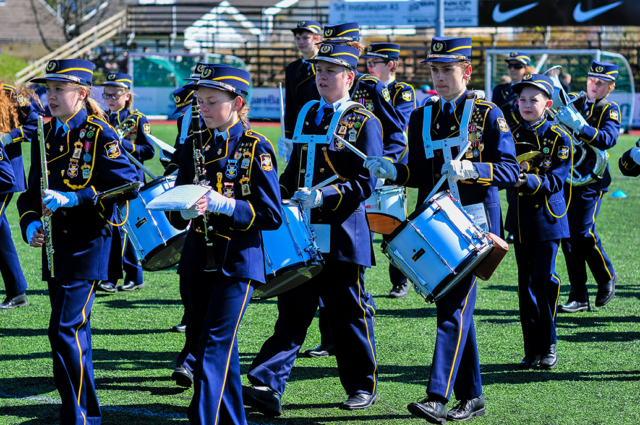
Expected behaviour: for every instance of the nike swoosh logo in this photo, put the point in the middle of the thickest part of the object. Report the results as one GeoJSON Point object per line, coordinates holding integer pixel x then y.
{"type": "Point", "coordinates": [581, 16]}
{"type": "Point", "coordinates": [505, 16]}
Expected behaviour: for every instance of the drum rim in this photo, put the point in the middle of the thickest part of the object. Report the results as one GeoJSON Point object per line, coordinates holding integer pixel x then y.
{"type": "Point", "coordinates": [143, 262]}
{"type": "Point", "coordinates": [264, 286]}
{"type": "Point", "coordinates": [155, 182]}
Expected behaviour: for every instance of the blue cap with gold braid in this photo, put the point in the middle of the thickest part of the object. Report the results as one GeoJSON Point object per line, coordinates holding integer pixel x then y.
{"type": "Point", "coordinates": [346, 56]}
{"type": "Point", "coordinates": [225, 78]}
{"type": "Point", "coordinates": [182, 97]}
{"type": "Point", "coordinates": [349, 31]}
{"type": "Point", "coordinates": [449, 49]}
{"type": "Point", "coordinates": [118, 79]}
{"type": "Point", "coordinates": [383, 50]}
{"type": "Point", "coordinates": [520, 57]}
{"type": "Point", "coordinates": [195, 75]}
{"type": "Point", "coordinates": [68, 70]}
{"type": "Point", "coordinates": [603, 71]}
{"type": "Point", "coordinates": [311, 26]}
{"type": "Point", "coordinates": [539, 81]}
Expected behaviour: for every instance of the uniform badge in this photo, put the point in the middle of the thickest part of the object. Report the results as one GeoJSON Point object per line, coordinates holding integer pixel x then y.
{"type": "Point", "coordinates": [472, 137]}
{"type": "Point", "coordinates": [77, 151]}
{"type": "Point", "coordinates": [72, 171]}
{"type": "Point", "coordinates": [113, 149]}
{"type": "Point", "coordinates": [82, 133]}
{"type": "Point", "coordinates": [357, 125]}
{"type": "Point", "coordinates": [146, 128]}
{"type": "Point", "coordinates": [86, 157]}
{"type": "Point", "coordinates": [342, 130]}
{"type": "Point", "coordinates": [246, 161]}
{"type": "Point", "coordinates": [406, 96]}
{"type": "Point", "coordinates": [228, 190]}
{"type": "Point", "coordinates": [545, 150]}
{"type": "Point", "coordinates": [232, 169]}
{"type": "Point", "coordinates": [90, 133]}
{"type": "Point", "coordinates": [502, 125]}
{"type": "Point", "coordinates": [385, 94]}
{"type": "Point", "coordinates": [265, 162]}
{"type": "Point", "coordinates": [339, 145]}
{"type": "Point", "coordinates": [614, 115]}
{"type": "Point", "coordinates": [21, 100]}
{"type": "Point", "coordinates": [599, 68]}
{"type": "Point", "coordinates": [468, 154]}
{"type": "Point", "coordinates": [237, 155]}
{"type": "Point", "coordinates": [563, 152]}
{"type": "Point", "coordinates": [546, 163]}
{"type": "Point", "coordinates": [369, 105]}
{"type": "Point", "coordinates": [246, 190]}
{"type": "Point", "coordinates": [476, 153]}
{"type": "Point", "coordinates": [352, 137]}
{"type": "Point", "coordinates": [86, 171]}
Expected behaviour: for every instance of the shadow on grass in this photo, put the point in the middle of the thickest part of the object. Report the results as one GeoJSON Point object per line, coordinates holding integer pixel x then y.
{"type": "Point", "coordinates": [34, 414]}
{"type": "Point", "coordinates": [495, 374]}
{"type": "Point", "coordinates": [141, 303]}
{"type": "Point", "coordinates": [591, 320]}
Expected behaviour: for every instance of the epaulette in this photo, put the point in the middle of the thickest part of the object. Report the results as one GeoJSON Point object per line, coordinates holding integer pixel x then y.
{"type": "Point", "coordinates": [9, 88]}
{"type": "Point", "coordinates": [94, 119]}
{"type": "Point", "coordinates": [559, 131]}
{"type": "Point", "coordinates": [369, 77]}
{"type": "Point", "coordinates": [364, 112]}
{"type": "Point", "coordinates": [137, 113]}
{"type": "Point", "coordinates": [403, 85]}
{"type": "Point", "coordinates": [483, 102]}
{"type": "Point", "coordinates": [261, 137]}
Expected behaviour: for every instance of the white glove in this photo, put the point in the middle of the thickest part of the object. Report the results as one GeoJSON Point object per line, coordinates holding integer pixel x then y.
{"type": "Point", "coordinates": [6, 138]}
{"type": "Point", "coordinates": [31, 229]}
{"type": "Point", "coordinates": [381, 168]}
{"type": "Point", "coordinates": [308, 199]}
{"type": "Point", "coordinates": [285, 147]}
{"type": "Point", "coordinates": [459, 170]}
{"type": "Point", "coordinates": [570, 118]}
{"type": "Point", "coordinates": [220, 204]}
{"type": "Point", "coordinates": [190, 214]}
{"type": "Point", "coordinates": [54, 199]}
{"type": "Point", "coordinates": [635, 155]}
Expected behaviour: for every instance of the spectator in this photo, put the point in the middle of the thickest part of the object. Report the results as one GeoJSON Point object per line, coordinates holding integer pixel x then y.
{"type": "Point", "coordinates": [565, 80]}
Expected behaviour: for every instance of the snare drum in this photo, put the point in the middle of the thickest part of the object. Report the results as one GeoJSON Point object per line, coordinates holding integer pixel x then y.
{"type": "Point", "coordinates": [386, 209]}
{"type": "Point", "coordinates": [158, 244]}
{"type": "Point", "coordinates": [291, 256]}
{"type": "Point", "coordinates": [437, 246]}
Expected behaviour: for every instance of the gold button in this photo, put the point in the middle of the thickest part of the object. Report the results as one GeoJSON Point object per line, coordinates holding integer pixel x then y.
{"type": "Point", "coordinates": [537, 206]}
{"type": "Point", "coordinates": [521, 194]}
{"type": "Point", "coordinates": [64, 231]}
{"type": "Point", "coordinates": [302, 171]}
{"type": "Point", "coordinates": [438, 176]}
{"type": "Point", "coordinates": [319, 219]}
{"type": "Point", "coordinates": [304, 148]}
{"type": "Point", "coordinates": [438, 153]}
{"type": "Point", "coordinates": [64, 213]}
{"type": "Point", "coordinates": [322, 170]}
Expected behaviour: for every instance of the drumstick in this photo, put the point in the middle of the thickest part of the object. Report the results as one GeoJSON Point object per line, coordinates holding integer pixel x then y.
{"type": "Point", "coordinates": [281, 111]}
{"type": "Point", "coordinates": [324, 183]}
{"type": "Point", "coordinates": [443, 178]}
{"type": "Point", "coordinates": [353, 148]}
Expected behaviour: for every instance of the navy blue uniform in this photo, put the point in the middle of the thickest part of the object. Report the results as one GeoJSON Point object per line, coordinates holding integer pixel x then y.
{"type": "Point", "coordinates": [300, 84]}
{"type": "Point", "coordinates": [86, 159]}
{"type": "Point", "coordinates": [628, 167]}
{"type": "Point", "coordinates": [7, 177]}
{"type": "Point", "coordinates": [403, 98]}
{"type": "Point", "coordinates": [455, 361]}
{"type": "Point", "coordinates": [503, 94]}
{"type": "Point", "coordinates": [12, 275]}
{"type": "Point", "coordinates": [537, 215]}
{"type": "Point", "coordinates": [218, 300]}
{"type": "Point", "coordinates": [584, 246]}
{"type": "Point", "coordinates": [341, 283]}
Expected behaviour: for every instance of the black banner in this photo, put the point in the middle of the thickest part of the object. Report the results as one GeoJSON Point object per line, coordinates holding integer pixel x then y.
{"type": "Point", "coordinates": [517, 13]}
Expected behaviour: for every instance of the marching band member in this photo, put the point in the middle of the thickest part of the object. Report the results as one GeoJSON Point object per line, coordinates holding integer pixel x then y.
{"type": "Point", "coordinates": [340, 284]}
{"type": "Point", "coordinates": [537, 214]}
{"type": "Point", "coordinates": [300, 75]}
{"type": "Point", "coordinates": [7, 177]}
{"type": "Point", "coordinates": [119, 99]}
{"type": "Point", "coordinates": [246, 200]}
{"type": "Point", "coordinates": [518, 64]}
{"type": "Point", "coordinates": [490, 163]}
{"type": "Point", "coordinates": [629, 162]}
{"type": "Point", "coordinates": [84, 159]}
{"type": "Point", "coordinates": [382, 64]}
{"type": "Point", "coordinates": [18, 120]}
{"type": "Point", "coordinates": [584, 247]}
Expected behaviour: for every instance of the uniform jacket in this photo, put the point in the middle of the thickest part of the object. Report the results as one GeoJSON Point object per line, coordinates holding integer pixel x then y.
{"type": "Point", "coordinates": [137, 144]}
{"type": "Point", "coordinates": [245, 158]}
{"type": "Point", "coordinates": [503, 94]}
{"type": "Point", "coordinates": [537, 209]}
{"type": "Point", "coordinates": [86, 246]}
{"type": "Point", "coordinates": [7, 178]}
{"type": "Point", "coordinates": [492, 153]}
{"type": "Point", "coordinates": [300, 84]}
{"type": "Point", "coordinates": [376, 98]}
{"type": "Point", "coordinates": [28, 118]}
{"type": "Point", "coordinates": [403, 98]}
{"type": "Point", "coordinates": [603, 119]}
{"type": "Point", "coordinates": [343, 201]}
{"type": "Point", "coordinates": [628, 166]}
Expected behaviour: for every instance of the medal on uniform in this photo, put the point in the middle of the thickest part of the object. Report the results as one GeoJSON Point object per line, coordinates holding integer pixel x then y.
{"type": "Point", "coordinates": [219, 151]}
{"type": "Point", "coordinates": [468, 153]}
{"type": "Point", "coordinates": [90, 134]}
{"type": "Point", "coordinates": [246, 161]}
{"type": "Point", "coordinates": [48, 146]}
{"type": "Point", "coordinates": [547, 163]}
{"type": "Point", "coordinates": [481, 146]}
{"type": "Point", "coordinates": [476, 153]}
{"type": "Point", "coordinates": [77, 151]}
{"type": "Point", "coordinates": [237, 155]}
{"type": "Point", "coordinates": [545, 150]}
{"type": "Point", "coordinates": [228, 190]}
{"type": "Point", "coordinates": [86, 171]}
{"type": "Point", "coordinates": [61, 148]}
{"type": "Point", "coordinates": [82, 133]}
{"type": "Point", "coordinates": [72, 171]}
{"type": "Point", "coordinates": [246, 190]}
{"type": "Point", "coordinates": [357, 125]}
{"type": "Point", "coordinates": [342, 130]}
{"type": "Point", "coordinates": [352, 137]}
{"type": "Point", "coordinates": [209, 147]}
{"type": "Point", "coordinates": [232, 169]}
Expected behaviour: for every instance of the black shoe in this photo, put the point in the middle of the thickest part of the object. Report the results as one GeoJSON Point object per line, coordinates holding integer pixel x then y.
{"type": "Point", "coordinates": [265, 400]}
{"type": "Point", "coordinates": [510, 238]}
{"type": "Point", "coordinates": [399, 291]}
{"type": "Point", "coordinates": [321, 351]}
{"type": "Point", "coordinates": [19, 300]}
{"type": "Point", "coordinates": [107, 287]}
{"type": "Point", "coordinates": [606, 291]}
{"type": "Point", "coordinates": [574, 307]}
{"type": "Point", "coordinates": [131, 286]}
{"type": "Point", "coordinates": [529, 362]}
{"type": "Point", "coordinates": [179, 328]}
{"type": "Point", "coordinates": [183, 376]}
{"type": "Point", "coordinates": [549, 358]}
{"type": "Point", "coordinates": [360, 401]}
{"type": "Point", "coordinates": [432, 410]}
{"type": "Point", "coordinates": [466, 409]}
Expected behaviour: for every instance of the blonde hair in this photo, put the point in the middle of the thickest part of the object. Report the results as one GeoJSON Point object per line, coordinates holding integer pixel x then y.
{"type": "Point", "coordinates": [243, 112]}
{"type": "Point", "coordinates": [529, 69]}
{"type": "Point", "coordinates": [91, 105]}
{"type": "Point", "coordinates": [355, 45]}
{"type": "Point", "coordinates": [612, 86]}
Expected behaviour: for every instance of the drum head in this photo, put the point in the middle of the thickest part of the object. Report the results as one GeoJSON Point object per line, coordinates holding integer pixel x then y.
{"type": "Point", "coordinates": [165, 256]}
{"type": "Point", "coordinates": [286, 279]}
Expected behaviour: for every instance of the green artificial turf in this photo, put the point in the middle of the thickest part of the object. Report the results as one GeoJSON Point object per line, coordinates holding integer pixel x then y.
{"type": "Point", "coordinates": [595, 382]}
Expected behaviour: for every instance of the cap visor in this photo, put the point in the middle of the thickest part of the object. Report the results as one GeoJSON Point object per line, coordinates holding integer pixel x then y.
{"type": "Point", "coordinates": [330, 60]}
{"type": "Point", "coordinates": [112, 83]}
{"type": "Point", "coordinates": [521, 61]}
{"type": "Point", "coordinates": [601, 77]}
{"type": "Point", "coordinates": [519, 86]}
{"type": "Point", "coordinates": [441, 60]}
{"type": "Point", "coordinates": [64, 80]}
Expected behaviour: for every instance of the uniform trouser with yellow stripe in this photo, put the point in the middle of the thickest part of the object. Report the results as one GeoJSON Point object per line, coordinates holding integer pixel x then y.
{"type": "Point", "coordinates": [70, 338]}
{"type": "Point", "coordinates": [538, 291]}
{"type": "Point", "coordinates": [217, 304]}
{"type": "Point", "coordinates": [341, 286]}
{"type": "Point", "coordinates": [456, 366]}
{"type": "Point", "coordinates": [12, 275]}
{"type": "Point", "coordinates": [584, 246]}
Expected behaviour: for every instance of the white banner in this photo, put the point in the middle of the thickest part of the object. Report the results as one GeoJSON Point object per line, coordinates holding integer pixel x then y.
{"type": "Point", "coordinates": [458, 13]}
{"type": "Point", "coordinates": [265, 103]}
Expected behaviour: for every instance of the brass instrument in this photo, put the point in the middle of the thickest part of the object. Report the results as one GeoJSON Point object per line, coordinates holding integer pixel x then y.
{"type": "Point", "coordinates": [44, 185]}
{"type": "Point", "coordinates": [126, 127]}
{"type": "Point", "coordinates": [201, 180]}
{"type": "Point", "coordinates": [589, 162]}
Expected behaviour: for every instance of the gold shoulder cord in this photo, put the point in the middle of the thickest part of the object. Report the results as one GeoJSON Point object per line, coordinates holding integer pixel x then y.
{"type": "Point", "coordinates": [326, 157]}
